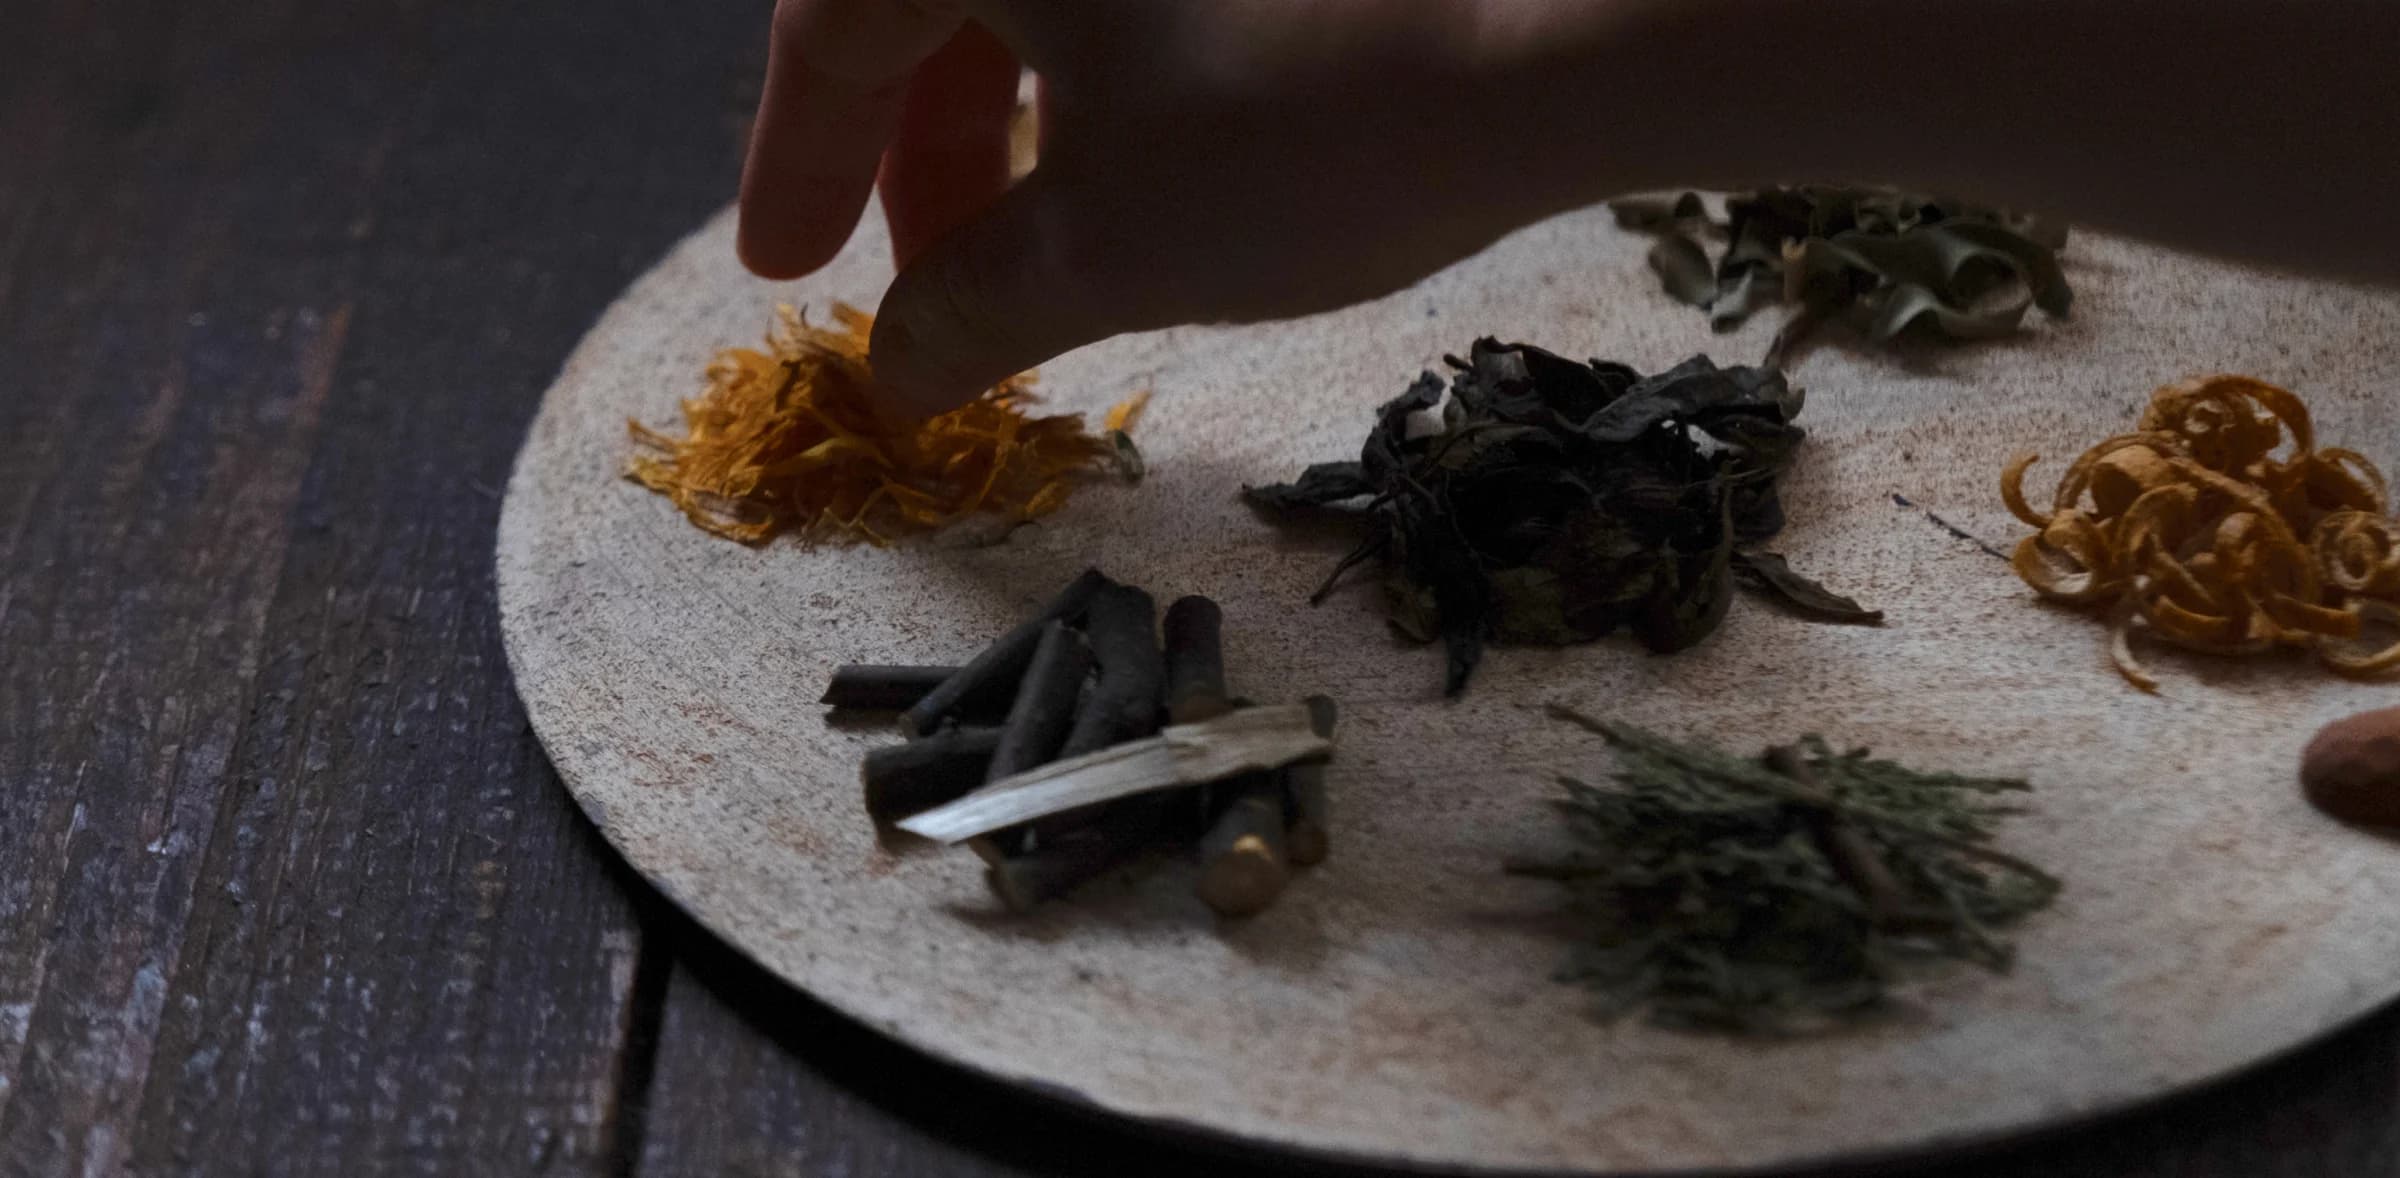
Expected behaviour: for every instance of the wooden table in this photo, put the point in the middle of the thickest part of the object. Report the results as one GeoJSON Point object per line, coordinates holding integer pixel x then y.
{"type": "Point", "coordinates": [285, 883]}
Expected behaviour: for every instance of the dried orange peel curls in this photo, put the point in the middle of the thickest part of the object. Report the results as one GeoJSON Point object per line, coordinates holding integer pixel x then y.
{"type": "Point", "coordinates": [786, 441]}
{"type": "Point", "coordinates": [2220, 526]}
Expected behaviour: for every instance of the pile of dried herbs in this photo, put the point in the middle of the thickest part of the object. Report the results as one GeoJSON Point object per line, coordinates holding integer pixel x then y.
{"type": "Point", "coordinates": [1784, 893]}
{"type": "Point", "coordinates": [1087, 735]}
{"type": "Point", "coordinates": [787, 440]}
{"type": "Point", "coordinates": [2220, 525]}
{"type": "Point", "coordinates": [1546, 501]}
{"type": "Point", "coordinates": [1884, 260]}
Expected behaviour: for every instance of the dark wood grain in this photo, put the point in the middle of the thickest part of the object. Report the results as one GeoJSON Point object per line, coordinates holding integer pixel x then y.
{"type": "Point", "coordinates": [285, 885]}
{"type": "Point", "coordinates": [290, 888]}
{"type": "Point", "coordinates": [754, 1079]}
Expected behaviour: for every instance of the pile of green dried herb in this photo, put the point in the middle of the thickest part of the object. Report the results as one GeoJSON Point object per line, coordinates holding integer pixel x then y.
{"type": "Point", "coordinates": [1885, 260]}
{"type": "Point", "coordinates": [1782, 893]}
{"type": "Point", "coordinates": [1546, 501]}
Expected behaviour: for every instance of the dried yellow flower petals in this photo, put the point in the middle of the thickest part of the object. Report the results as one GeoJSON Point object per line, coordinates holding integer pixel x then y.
{"type": "Point", "coordinates": [786, 441]}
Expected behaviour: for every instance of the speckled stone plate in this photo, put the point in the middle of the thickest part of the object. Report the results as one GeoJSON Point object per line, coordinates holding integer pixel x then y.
{"type": "Point", "coordinates": [1397, 1004]}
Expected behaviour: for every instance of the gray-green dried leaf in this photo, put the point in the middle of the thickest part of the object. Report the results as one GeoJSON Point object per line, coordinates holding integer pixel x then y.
{"type": "Point", "coordinates": [1885, 261]}
{"type": "Point", "coordinates": [1770, 574]}
{"type": "Point", "coordinates": [1682, 264]}
{"type": "Point", "coordinates": [1322, 485]}
{"type": "Point", "coordinates": [1130, 464]}
{"type": "Point", "coordinates": [1652, 212]}
{"type": "Point", "coordinates": [1561, 502]}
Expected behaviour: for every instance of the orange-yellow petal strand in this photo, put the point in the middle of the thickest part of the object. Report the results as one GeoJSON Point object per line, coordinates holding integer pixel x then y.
{"type": "Point", "coordinates": [785, 441]}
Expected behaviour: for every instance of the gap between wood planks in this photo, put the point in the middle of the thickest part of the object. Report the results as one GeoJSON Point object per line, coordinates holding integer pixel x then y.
{"type": "Point", "coordinates": [645, 1020]}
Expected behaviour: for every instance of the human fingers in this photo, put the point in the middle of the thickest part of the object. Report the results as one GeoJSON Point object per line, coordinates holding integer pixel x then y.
{"type": "Point", "coordinates": [990, 299]}
{"type": "Point", "coordinates": [1067, 258]}
{"type": "Point", "coordinates": [948, 157]}
{"type": "Point", "coordinates": [837, 78]}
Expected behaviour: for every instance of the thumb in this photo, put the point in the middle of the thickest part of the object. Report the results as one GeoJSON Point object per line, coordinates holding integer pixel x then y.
{"type": "Point", "coordinates": [998, 295]}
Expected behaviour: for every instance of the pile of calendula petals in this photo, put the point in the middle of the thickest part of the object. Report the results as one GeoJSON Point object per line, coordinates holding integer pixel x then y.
{"type": "Point", "coordinates": [2220, 526]}
{"type": "Point", "coordinates": [784, 441]}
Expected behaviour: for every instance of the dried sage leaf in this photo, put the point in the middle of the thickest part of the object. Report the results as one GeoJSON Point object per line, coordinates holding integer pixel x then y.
{"type": "Point", "coordinates": [1322, 485]}
{"type": "Point", "coordinates": [1682, 264]}
{"type": "Point", "coordinates": [1769, 574]}
{"type": "Point", "coordinates": [1883, 260]}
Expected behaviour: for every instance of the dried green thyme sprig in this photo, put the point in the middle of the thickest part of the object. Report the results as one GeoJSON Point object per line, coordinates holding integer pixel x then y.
{"type": "Point", "coordinates": [1777, 894]}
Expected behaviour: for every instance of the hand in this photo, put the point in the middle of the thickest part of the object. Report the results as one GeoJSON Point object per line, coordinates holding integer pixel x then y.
{"type": "Point", "coordinates": [1224, 160]}
{"type": "Point", "coordinates": [1247, 159]}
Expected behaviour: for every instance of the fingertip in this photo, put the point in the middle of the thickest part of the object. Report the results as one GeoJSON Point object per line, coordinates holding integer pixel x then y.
{"type": "Point", "coordinates": [992, 299]}
{"type": "Point", "coordinates": [778, 253]}
{"type": "Point", "coordinates": [771, 260]}
{"type": "Point", "coordinates": [820, 131]}
{"type": "Point", "coordinates": [796, 212]}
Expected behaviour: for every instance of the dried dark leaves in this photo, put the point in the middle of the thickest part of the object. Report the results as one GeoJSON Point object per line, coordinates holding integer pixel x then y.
{"type": "Point", "coordinates": [1546, 501]}
{"type": "Point", "coordinates": [1886, 261]}
{"type": "Point", "coordinates": [1722, 893]}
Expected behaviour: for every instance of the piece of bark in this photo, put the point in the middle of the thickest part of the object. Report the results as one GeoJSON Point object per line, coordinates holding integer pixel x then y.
{"type": "Point", "coordinates": [873, 687]}
{"type": "Point", "coordinates": [1045, 704]}
{"type": "Point", "coordinates": [1185, 755]}
{"type": "Point", "coordinates": [1307, 837]}
{"type": "Point", "coordinates": [1122, 626]}
{"type": "Point", "coordinates": [1854, 857]}
{"type": "Point", "coordinates": [1195, 653]}
{"type": "Point", "coordinates": [904, 779]}
{"type": "Point", "coordinates": [986, 681]}
{"type": "Point", "coordinates": [1242, 855]}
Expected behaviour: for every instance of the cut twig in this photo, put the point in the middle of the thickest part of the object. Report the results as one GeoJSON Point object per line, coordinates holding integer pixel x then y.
{"type": "Point", "coordinates": [1195, 660]}
{"type": "Point", "coordinates": [869, 687]}
{"type": "Point", "coordinates": [1853, 856]}
{"type": "Point", "coordinates": [1045, 705]}
{"type": "Point", "coordinates": [1306, 837]}
{"type": "Point", "coordinates": [905, 778]}
{"type": "Point", "coordinates": [1187, 754]}
{"type": "Point", "coordinates": [1063, 863]}
{"type": "Point", "coordinates": [1123, 628]}
{"type": "Point", "coordinates": [1242, 856]}
{"type": "Point", "coordinates": [991, 675]}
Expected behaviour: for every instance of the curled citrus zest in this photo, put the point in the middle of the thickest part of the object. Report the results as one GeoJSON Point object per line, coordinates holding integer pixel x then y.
{"type": "Point", "coordinates": [2219, 526]}
{"type": "Point", "coordinates": [2361, 485]}
{"type": "Point", "coordinates": [2067, 561]}
{"type": "Point", "coordinates": [2126, 475]}
{"type": "Point", "coordinates": [2158, 521]}
{"type": "Point", "coordinates": [2012, 490]}
{"type": "Point", "coordinates": [2302, 622]}
{"type": "Point", "coordinates": [2213, 417]}
{"type": "Point", "coordinates": [2120, 648]}
{"type": "Point", "coordinates": [2077, 480]}
{"type": "Point", "coordinates": [787, 441]}
{"type": "Point", "coordinates": [2347, 659]}
{"type": "Point", "coordinates": [2358, 553]}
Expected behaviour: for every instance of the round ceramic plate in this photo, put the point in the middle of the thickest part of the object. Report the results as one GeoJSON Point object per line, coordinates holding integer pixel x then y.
{"type": "Point", "coordinates": [1397, 1003]}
